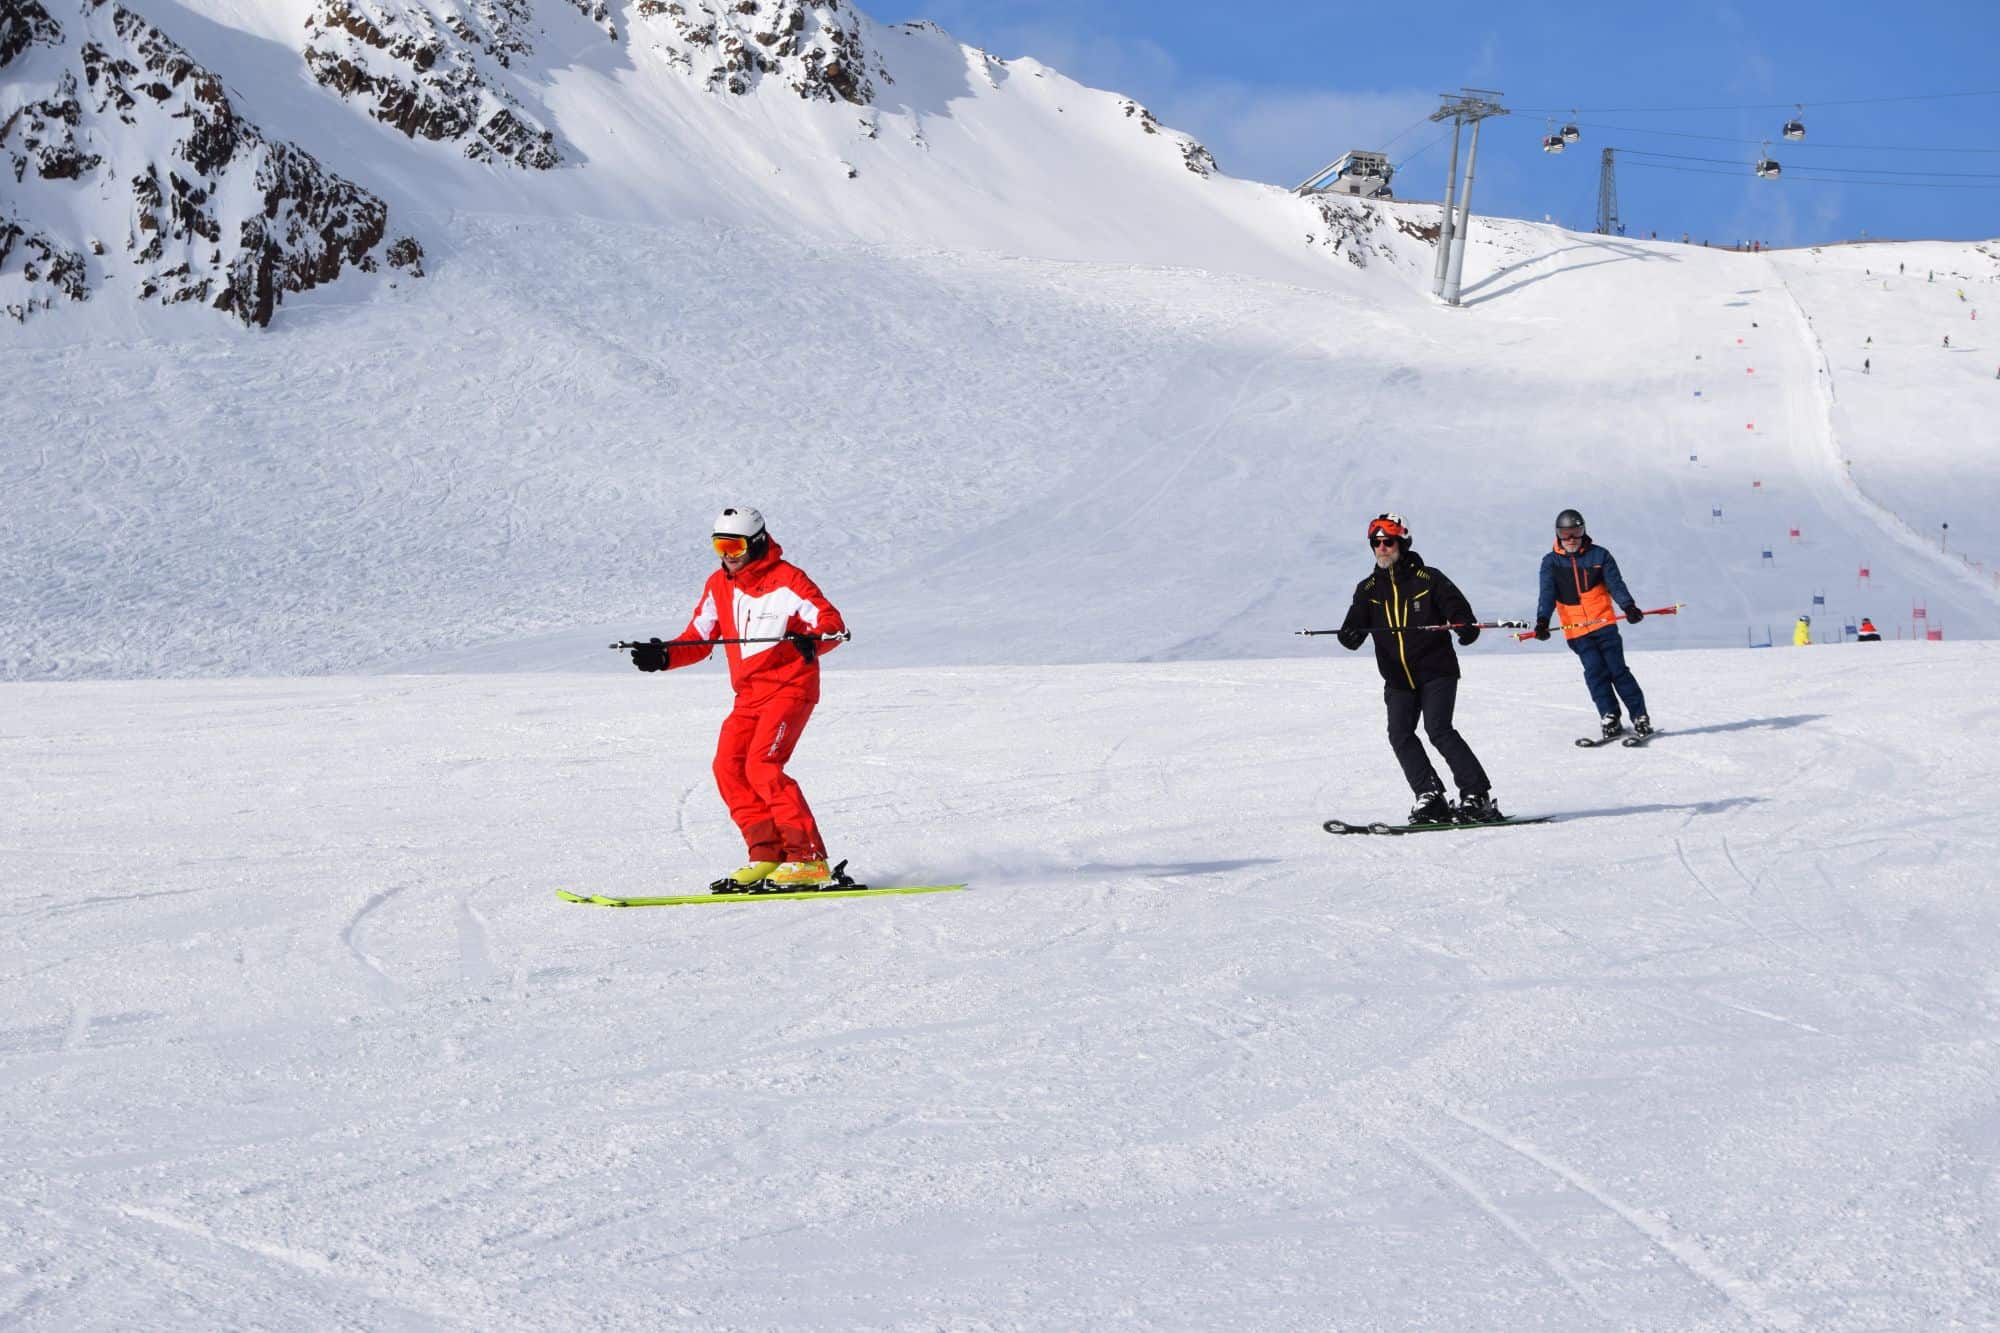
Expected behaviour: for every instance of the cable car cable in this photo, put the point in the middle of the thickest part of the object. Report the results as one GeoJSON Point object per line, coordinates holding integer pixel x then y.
{"type": "Point", "coordinates": [1829, 180]}
{"type": "Point", "coordinates": [1871, 171]}
{"type": "Point", "coordinates": [1754, 106]}
{"type": "Point", "coordinates": [1791, 147]}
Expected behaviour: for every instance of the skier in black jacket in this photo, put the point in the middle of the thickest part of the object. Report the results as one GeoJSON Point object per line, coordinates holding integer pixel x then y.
{"type": "Point", "coordinates": [1419, 670]}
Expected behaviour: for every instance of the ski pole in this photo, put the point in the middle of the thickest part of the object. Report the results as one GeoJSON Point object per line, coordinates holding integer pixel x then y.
{"type": "Point", "coordinates": [1613, 620]}
{"type": "Point", "coordinates": [1456, 624]}
{"type": "Point", "coordinates": [842, 637]}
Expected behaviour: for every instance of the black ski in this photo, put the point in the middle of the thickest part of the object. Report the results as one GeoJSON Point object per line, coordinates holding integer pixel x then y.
{"type": "Point", "coordinates": [1636, 741]}
{"type": "Point", "coordinates": [1397, 830]}
{"type": "Point", "coordinates": [1592, 742]}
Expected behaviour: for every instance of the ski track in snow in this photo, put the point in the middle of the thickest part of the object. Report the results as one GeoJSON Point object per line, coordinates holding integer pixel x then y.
{"type": "Point", "coordinates": [1714, 1051]}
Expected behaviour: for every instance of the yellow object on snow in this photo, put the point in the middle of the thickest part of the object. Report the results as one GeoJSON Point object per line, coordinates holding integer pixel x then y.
{"type": "Point", "coordinates": [1802, 633]}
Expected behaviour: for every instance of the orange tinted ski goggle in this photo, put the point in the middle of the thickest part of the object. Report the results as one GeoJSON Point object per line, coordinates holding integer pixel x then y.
{"type": "Point", "coordinates": [730, 548]}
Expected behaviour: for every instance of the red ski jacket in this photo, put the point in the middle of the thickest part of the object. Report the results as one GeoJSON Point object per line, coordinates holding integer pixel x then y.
{"type": "Point", "coordinates": [767, 597]}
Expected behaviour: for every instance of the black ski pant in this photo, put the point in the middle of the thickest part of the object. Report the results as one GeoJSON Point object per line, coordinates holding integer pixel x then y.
{"type": "Point", "coordinates": [1433, 701]}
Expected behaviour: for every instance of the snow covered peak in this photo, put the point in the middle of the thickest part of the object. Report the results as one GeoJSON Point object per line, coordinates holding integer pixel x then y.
{"type": "Point", "coordinates": [222, 173]}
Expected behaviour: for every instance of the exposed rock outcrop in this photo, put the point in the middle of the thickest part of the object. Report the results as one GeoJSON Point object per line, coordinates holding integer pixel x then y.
{"type": "Point", "coordinates": [1356, 229]}
{"type": "Point", "coordinates": [24, 23]}
{"type": "Point", "coordinates": [813, 47]}
{"type": "Point", "coordinates": [1193, 156]}
{"type": "Point", "coordinates": [220, 214]}
{"type": "Point", "coordinates": [436, 78]}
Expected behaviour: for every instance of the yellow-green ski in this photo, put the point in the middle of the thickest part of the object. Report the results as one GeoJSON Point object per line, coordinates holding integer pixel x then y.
{"type": "Point", "coordinates": [684, 900]}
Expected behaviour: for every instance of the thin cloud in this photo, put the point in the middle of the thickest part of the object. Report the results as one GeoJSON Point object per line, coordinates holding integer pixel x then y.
{"type": "Point", "coordinates": [1254, 132]}
{"type": "Point", "coordinates": [1281, 136]}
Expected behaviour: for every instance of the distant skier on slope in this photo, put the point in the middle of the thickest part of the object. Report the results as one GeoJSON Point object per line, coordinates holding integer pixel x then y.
{"type": "Point", "coordinates": [1582, 579]}
{"type": "Point", "coordinates": [1868, 634]}
{"type": "Point", "coordinates": [1419, 670]}
{"type": "Point", "coordinates": [756, 594]}
{"type": "Point", "coordinates": [1802, 633]}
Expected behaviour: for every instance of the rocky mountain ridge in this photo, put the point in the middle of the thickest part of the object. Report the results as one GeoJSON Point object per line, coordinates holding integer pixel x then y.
{"type": "Point", "coordinates": [134, 163]}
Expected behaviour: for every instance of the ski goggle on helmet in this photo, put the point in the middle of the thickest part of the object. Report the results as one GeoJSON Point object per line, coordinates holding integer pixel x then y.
{"type": "Point", "coordinates": [1390, 526]}
{"type": "Point", "coordinates": [736, 531]}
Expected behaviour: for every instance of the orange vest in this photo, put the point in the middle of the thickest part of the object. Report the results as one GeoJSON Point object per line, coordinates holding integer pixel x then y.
{"type": "Point", "coordinates": [1593, 606]}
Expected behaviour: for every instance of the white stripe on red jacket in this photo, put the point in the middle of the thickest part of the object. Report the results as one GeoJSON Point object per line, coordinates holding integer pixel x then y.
{"type": "Point", "coordinates": [764, 599]}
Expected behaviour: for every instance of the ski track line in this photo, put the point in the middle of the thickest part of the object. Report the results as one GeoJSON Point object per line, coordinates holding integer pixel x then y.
{"type": "Point", "coordinates": [1501, 1218]}
{"type": "Point", "coordinates": [350, 935]}
{"type": "Point", "coordinates": [1738, 1291]}
{"type": "Point", "coordinates": [475, 955]}
{"type": "Point", "coordinates": [83, 904]}
{"type": "Point", "coordinates": [1740, 1007]}
{"type": "Point", "coordinates": [303, 1261]}
{"type": "Point", "coordinates": [1905, 1000]}
{"type": "Point", "coordinates": [680, 817]}
{"type": "Point", "coordinates": [1680, 849]}
{"type": "Point", "coordinates": [1776, 898]}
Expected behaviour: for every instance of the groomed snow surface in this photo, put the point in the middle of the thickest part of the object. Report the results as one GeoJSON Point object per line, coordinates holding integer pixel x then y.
{"type": "Point", "coordinates": [298, 1035]}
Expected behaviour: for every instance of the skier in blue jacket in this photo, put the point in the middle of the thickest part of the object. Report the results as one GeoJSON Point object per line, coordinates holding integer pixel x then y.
{"type": "Point", "coordinates": [1582, 579]}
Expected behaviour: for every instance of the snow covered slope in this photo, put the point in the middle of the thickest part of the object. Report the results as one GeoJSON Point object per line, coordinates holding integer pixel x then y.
{"type": "Point", "coordinates": [1015, 374]}
{"type": "Point", "coordinates": [1914, 417]}
{"type": "Point", "coordinates": [297, 1034]}
{"type": "Point", "coordinates": [982, 458]}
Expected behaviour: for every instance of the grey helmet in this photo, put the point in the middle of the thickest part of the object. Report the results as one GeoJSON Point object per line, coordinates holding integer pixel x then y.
{"type": "Point", "coordinates": [1569, 518]}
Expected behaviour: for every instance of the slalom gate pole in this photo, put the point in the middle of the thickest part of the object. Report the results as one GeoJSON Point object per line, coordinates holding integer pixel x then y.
{"type": "Point", "coordinates": [1456, 624]}
{"type": "Point", "coordinates": [1612, 620]}
{"type": "Point", "coordinates": [842, 637]}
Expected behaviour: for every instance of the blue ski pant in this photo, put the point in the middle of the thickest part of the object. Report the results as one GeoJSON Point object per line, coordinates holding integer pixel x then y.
{"type": "Point", "coordinates": [1605, 674]}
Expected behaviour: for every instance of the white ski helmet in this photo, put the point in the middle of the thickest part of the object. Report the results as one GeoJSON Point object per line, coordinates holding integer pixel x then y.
{"type": "Point", "coordinates": [1391, 525]}
{"type": "Point", "coordinates": [742, 521]}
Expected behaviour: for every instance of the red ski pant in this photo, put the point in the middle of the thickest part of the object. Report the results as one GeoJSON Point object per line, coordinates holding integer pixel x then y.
{"type": "Point", "coordinates": [750, 755]}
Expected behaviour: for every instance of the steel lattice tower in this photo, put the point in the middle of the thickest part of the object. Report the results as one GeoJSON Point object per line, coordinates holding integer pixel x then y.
{"type": "Point", "coordinates": [1608, 223]}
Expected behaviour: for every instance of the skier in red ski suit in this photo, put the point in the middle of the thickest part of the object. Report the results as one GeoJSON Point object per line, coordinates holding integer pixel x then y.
{"type": "Point", "coordinates": [758, 594]}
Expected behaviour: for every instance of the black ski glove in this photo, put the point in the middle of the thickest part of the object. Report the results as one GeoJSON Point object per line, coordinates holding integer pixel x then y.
{"type": "Point", "coordinates": [650, 656]}
{"type": "Point", "coordinates": [1633, 615]}
{"type": "Point", "coordinates": [1541, 630]}
{"type": "Point", "coordinates": [1350, 639]}
{"type": "Point", "coordinates": [1466, 635]}
{"type": "Point", "coordinates": [807, 645]}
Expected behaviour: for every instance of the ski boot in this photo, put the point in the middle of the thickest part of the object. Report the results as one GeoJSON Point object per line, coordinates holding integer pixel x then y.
{"type": "Point", "coordinates": [1613, 728]}
{"type": "Point", "coordinates": [1431, 808]}
{"type": "Point", "coordinates": [746, 879]}
{"type": "Point", "coordinates": [798, 876]}
{"type": "Point", "coordinates": [1478, 807]}
{"type": "Point", "coordinates": [1642, 725]}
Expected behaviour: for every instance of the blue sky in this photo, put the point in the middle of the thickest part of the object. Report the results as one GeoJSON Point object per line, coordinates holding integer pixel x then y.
{"type": "Point", "coordinates": [1276, 90]}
